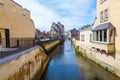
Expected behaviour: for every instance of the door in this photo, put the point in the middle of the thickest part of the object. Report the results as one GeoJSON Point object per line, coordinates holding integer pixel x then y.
{"type": "Point", "coordinates": [7, 36]}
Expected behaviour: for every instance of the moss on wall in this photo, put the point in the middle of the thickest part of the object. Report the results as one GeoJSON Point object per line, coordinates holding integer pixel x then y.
{"type": "Point", "coordinates": [50, 45]}
{"type": "Point", "coordinates": [107, 68]}
{"type": "Point", "coordinates": [77, 51]}
{"type": "Point", "coordinates": [29, 66]}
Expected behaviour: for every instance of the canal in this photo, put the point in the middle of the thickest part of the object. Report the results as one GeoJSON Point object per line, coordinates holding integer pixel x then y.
{"type": "Point", "coordinates": [66, 65]}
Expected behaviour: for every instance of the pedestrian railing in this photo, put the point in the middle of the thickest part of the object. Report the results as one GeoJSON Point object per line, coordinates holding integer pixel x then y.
{"type": "Point", "coordinates": [15, 45]}
{"type": "Point", "coordinates": [11, 46]}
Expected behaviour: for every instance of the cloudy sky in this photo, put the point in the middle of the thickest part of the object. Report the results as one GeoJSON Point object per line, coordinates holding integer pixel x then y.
{"type": "Point", "coordinates": [71, 13]}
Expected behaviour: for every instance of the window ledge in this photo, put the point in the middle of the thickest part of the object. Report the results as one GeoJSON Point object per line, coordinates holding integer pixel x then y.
{"type": "Point", "coordinates": [102, 42]}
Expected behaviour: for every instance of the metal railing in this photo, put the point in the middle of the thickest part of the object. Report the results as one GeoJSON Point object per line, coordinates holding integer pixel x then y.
{"type": "Point", "coordinates": [15, 45]}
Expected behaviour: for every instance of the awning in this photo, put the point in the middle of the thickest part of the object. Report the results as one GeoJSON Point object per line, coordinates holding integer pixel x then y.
{"type": "Point", "coordinates": [103, 26]}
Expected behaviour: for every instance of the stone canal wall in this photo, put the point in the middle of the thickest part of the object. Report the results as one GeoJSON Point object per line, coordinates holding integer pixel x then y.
{"type": "Point", "coordinates": [24, 67]}
{"type": "Point", "coordinates": [110, 62]}
{"type": "Point", "coordinates": [28, 66]}
{"type": "Point", "coordinates": [50, 45]}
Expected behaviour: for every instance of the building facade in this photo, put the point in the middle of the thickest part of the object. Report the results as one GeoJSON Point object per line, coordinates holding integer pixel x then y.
{"type": "Point", "coordinates": [103, 48]}
{"type": "Point", "coordinates": [37, 33]}
{"type": "Point", "coordinates": [106, 43]}
{"type": "Point", "coordinates": [15, 22]}
{"type": "Point", "coordinates": [57, 30]}
{"type": "Point", "coordinates": [74, 33]}
{"type": "Point", "coordinates": [61, 27]}
{"type": "Point", "coordinates": [106, 27]}
{"type": "Point", "coordinates": [44, 35]}
{"type": "Point", "coordinates": [86, 39]}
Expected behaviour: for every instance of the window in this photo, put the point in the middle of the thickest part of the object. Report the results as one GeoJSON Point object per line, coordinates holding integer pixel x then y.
{"type": "Point", "coordinates": [1, 4]}
{"type": "Point", "coordinates": [23, 14]}
{"type": "Point", "coordinates": [100, 35]}
{"type": "Point", "coordinates": [82, 37]}
{"type": "Point", "coordinates": [105, 35]}
{"type": "Point", "coordinates": [96, 35]}
{"type": "Point", "coordinates": [106, 14]}
{"type": "Point", "coordinates": [102, 1]}
{"type": "Point", "coordinates": [101, 16]}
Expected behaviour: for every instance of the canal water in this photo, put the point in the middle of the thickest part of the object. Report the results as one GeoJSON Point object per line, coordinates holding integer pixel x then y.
{"type": "Point", "coordinates": [66, 65]}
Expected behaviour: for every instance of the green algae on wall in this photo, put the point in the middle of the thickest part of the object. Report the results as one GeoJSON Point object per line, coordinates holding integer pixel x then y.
{"type": "Point", "coordinates": [25, 67]}
{"type": "Point", "coordinates": [51, 44]}
{"type": "Point", "coordinates": [77, 51]}
{"type": "Point", "coordinates": [93, 59]}
{"type": "Point", "coordinates": [29, 66]}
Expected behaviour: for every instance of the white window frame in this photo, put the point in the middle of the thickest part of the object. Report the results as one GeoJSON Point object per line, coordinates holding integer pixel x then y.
{"type": "Point", "coordinates": [104, 15]}
{"type": "Point", "coordinates": [96, 36]}
{"type": "Point", "coordinates": [82, 37]}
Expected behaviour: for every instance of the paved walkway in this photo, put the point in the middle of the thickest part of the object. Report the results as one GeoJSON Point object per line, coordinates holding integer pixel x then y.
{"type": "Point", "coordinates": [9, 58]}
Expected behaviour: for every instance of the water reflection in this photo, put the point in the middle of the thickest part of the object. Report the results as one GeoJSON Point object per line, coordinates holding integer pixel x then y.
{"type": "Point", "coordinates": [92, 71]}
{"type": "Point", "coordinates": [65, 65]}
{"type": "Point", "coordinates": [59, 51]}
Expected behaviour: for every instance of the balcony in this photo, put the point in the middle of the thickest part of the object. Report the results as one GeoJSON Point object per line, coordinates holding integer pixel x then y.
{"type": "Point", "coordinates": [104, 47]}
{"type": "Point", "coordinates": [104, 38]}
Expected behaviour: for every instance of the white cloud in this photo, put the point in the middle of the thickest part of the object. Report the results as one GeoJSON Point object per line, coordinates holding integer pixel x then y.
{"type": "Point", "coordinates": [70, 13]}
{"type": "Point", "coordinates": [41, 15]}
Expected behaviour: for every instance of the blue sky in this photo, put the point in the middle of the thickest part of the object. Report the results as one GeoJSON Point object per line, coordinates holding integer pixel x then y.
{"type": "Point", "coordinates": [71, 13]}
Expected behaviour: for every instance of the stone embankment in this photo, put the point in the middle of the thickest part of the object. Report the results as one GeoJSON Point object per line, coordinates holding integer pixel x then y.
{"type": "Point", "coordinates": [110, 62]}
{"type": "Point", "coordinates": [29, 65]}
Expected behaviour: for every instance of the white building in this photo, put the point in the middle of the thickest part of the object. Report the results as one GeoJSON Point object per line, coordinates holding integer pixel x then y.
{"type": "Point", "coordinates": [86, 38]}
